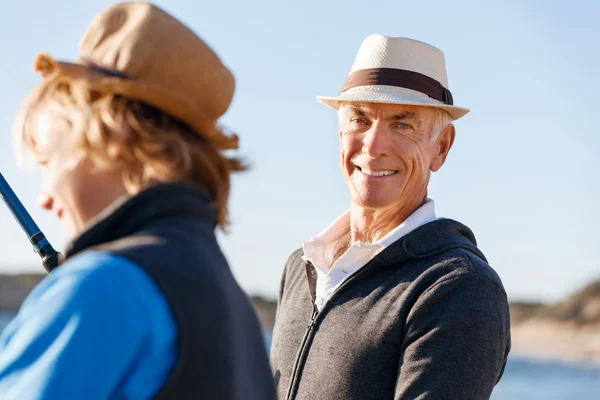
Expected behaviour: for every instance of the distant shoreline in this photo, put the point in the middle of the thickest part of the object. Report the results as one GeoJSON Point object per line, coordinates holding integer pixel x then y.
{"type": "Point", "coordinates": [567, 331]}
{"type": "Point", "coordinates": [564, 341]}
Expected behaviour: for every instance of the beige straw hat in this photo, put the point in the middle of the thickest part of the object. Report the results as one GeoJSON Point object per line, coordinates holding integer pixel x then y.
{"type": "Point", "coordinates": [399, 71]}
{"type": "Point", "coordinates": [137, 50]}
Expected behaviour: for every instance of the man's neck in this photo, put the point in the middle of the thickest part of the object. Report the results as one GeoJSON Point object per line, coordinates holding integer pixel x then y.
{"type": "Point", "coordinates": [370, 225]}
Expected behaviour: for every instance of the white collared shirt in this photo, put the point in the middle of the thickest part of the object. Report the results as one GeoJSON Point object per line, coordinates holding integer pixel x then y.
{"type": "Point", "coordinates": [321, 249]}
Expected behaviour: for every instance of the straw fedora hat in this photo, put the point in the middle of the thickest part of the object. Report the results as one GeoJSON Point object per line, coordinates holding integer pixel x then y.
{"type": "Point", "coordinates": [399, 71]}
{"type": "Point", "coordinates": [138, 51]}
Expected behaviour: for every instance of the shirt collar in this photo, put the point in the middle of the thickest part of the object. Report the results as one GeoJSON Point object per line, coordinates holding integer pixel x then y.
{"type": "Point", "coordinates": [420, 217]}
{"type": "Point", "coordinates": [320, 249]}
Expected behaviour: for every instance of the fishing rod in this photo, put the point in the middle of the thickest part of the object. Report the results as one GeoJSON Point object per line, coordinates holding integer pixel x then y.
{"type": "Point", "coordinates": [50, 257]}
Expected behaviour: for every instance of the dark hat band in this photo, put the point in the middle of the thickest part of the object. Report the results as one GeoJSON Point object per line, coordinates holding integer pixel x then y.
{"type": "Point", "coordinates": [399, 78]}
{"type": "Point", "coordinates": [101, 68]}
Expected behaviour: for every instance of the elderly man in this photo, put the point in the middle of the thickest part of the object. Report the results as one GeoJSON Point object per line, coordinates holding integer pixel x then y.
{"type": "Point", "coordinates": [133, 163]}
{"type": "Point", "coordinates": [390, 301]}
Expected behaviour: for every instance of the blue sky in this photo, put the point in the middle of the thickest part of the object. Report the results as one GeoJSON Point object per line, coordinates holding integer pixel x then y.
{"type": "Point", "coordinates": [523, 173]}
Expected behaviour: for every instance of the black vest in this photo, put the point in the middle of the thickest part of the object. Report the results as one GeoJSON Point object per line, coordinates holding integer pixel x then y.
{"type": "Point", "coordinates": [168, 231]}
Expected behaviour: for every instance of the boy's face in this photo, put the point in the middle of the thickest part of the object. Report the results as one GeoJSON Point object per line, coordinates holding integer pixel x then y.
{"type": "Point", "coordinates": [73, 188]}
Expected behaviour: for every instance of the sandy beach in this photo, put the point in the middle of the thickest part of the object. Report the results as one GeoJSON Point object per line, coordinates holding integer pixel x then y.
{"type": "Point", "coordinates": [563, 341]}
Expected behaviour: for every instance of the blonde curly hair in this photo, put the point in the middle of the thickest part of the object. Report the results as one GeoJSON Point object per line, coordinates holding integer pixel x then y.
{"type": "Point", "coordinates": [146, 145]}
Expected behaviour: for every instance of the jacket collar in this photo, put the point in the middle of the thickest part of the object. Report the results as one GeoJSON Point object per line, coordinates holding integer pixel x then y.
{"type": "Point", "coordinates": [431, 239]}
{"type": "Point", "coordinates": [130, 214]}
{"type": "Point", "coordinates": [428, 240]}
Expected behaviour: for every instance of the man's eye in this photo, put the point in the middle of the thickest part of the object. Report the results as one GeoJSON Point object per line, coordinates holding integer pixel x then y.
{"type": "Point", "coordinates": [403, 126]}
{"type": "Point", "coordinates": [359, 121]}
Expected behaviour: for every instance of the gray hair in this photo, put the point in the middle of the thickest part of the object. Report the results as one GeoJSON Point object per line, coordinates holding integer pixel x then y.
{"type": "Point", "coordinates": [441, 122]}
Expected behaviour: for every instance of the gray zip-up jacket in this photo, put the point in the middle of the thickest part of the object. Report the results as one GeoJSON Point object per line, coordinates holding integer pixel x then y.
{"type": "Point", "coordinates": [427, 318]}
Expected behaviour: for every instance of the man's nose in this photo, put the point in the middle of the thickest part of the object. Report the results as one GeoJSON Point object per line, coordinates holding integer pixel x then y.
{"type": "Point", "coordinates": [376, 141]}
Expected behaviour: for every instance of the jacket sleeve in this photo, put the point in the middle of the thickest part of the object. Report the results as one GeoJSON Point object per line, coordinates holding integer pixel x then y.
{"type": "Point", "coordinates": [457, 341]}
{"type": "Point", "coordinates": [79, 335]}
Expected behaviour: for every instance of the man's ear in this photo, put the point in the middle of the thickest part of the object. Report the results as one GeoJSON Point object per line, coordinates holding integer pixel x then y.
{"type": "Point", "coordinates": [443, 145]}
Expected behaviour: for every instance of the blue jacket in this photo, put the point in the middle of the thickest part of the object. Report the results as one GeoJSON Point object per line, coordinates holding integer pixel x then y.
{"type": "Point", "coordinates": [95, 328]}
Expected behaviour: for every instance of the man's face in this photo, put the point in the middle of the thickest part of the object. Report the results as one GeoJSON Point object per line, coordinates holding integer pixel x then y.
{"type": "Point", "coordinates": [73, 189]}
{"type": "Point", "coordinates": [387, 153]}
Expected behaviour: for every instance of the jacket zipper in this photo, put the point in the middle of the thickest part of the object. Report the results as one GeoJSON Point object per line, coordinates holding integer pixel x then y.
{"type": "Point", "coordinates": [309, 328]}
{"type": "Point", "coordinates": [315, 313]}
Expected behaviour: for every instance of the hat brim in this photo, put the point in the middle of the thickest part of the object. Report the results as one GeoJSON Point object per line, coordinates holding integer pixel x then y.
{"type": "Point", "coordinates": [135, 89]}
{"type": "Point", "coordinates": [379, 94]}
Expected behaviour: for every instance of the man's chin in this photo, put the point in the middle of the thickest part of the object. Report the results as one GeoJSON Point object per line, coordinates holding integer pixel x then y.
{"type": "Point", "coordinates": [375, 197]}
{"type": "Point", "coordinates": [370, 202]}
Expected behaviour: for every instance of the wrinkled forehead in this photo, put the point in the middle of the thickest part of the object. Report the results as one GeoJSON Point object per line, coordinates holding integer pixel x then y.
{"type": "Point", "coordinates": [384, 110]}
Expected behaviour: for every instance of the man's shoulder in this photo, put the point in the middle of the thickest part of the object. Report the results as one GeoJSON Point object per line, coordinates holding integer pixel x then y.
{"type": "Point", "coordinates": [484, 269]}
{"type": "Point", "coordinates": [469, 262]}
{"type": "Point", "coordinates": [447, 249]}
